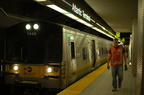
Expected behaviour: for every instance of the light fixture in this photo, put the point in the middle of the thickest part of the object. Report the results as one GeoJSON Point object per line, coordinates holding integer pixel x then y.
{"type": "Point", "coordinates": [103, 32]}
{"type": "Point", "coordinates": [71, 16]}
{"type": "Point", "coordinates": [28, 26]}
{"type": "Point", "coordinates": [83, 22]}
{"type": "Point", "coordinates": [49, 70]}
{"type": "Point", "coordinates": [80, 20]}
{"type": "Point", "coordinates": [40, 0]}
{"type": "Point", "coordinates": [15, 67]}
{"type": "Point", "coordinates": [57, 8]}
{"type": "Point", "coordinates": [36, 26]}
{"type": "Point", "coordinates": [87, 24]}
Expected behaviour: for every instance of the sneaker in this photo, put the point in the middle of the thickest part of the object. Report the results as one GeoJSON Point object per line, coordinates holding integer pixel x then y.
{"type": "Point", "coordinates": [114, 89]}
{"type": "Point", "coordinates": [119, 85]}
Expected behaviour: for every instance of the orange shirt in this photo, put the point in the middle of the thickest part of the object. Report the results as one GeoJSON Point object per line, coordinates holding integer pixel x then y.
{"type": "Point", "coordinates": [116, 55]}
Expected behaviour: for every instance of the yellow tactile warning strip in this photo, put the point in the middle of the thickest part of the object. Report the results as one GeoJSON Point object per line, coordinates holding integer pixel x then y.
{"type": "Point", "coordinates": [79, 86]}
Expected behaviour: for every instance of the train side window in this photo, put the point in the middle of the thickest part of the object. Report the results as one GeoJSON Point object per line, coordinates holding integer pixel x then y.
{"type": "Point", "coordinates": [84, 52]}
{"type": "Point", "coordinates": [72, 50]}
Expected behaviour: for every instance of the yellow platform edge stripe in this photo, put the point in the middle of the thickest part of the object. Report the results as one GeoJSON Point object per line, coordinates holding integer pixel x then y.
{"type": "Point", "coordinates": [80, 85]}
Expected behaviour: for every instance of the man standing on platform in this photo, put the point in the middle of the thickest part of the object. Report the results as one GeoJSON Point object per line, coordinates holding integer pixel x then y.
{"type": "Point", "coordinates": [116, 56]}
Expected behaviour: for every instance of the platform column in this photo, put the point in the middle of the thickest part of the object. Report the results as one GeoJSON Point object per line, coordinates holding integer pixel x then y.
{"type": "Point", "coordinates": [140, 54]}
{"type": "Point", "coordinates": [134, 47]}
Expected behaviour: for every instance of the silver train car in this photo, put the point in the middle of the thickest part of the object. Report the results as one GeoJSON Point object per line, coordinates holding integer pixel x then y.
{"type": "Point", "coordinates": [48, 55]}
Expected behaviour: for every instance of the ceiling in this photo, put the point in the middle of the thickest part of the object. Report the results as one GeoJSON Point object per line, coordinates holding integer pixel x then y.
{"type": "Point", "coordinates": [118, 14]}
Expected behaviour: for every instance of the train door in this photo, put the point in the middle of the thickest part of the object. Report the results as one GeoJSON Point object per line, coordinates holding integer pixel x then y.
{"type": "Point", "coordinates": [72, 57]}
{"type": "Point", "coordinates": [71, 62]}
{"type": "Point", "coordinates": [93, 53]}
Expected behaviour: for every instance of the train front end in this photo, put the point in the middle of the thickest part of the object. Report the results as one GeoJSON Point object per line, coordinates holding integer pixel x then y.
{"type": "Point", "coordinates": [33, 55]}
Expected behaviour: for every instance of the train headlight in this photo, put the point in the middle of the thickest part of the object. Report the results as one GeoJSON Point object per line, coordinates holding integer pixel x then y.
{"type": "Point", "coordinates": [49, 69]}
{"type": "Point", "coordinates": [15, 67]}
{"type": "Point", "coordinates": [36, 26]}
{"type": "Point", "coordinates": [28, 26]}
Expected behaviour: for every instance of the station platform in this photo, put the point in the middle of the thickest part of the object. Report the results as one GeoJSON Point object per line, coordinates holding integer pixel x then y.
{"type": "Point", "coordinates": [99, 82]}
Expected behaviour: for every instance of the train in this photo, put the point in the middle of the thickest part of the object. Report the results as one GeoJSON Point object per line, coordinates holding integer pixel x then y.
{"type": "Point", "coordinates": [49, 55]}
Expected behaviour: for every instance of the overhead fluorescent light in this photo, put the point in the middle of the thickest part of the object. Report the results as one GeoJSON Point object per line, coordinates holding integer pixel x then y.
{"type": "Point", "coordinates": [101, 26]}
{"type": "Point", "coordinates": [57, 8]}
{"type": "Point", "coordinates": [103, 32]}
{"type": "Point", "coordinates": [99, 30]}
{"type": "Point", "coordinates": [87, 24]}
{"type": "Point", "coordinates": [71, 16]}
{"type": "Point", "coordinates": [40, 0]}
{"type": "Point", "coordinates": [83, 22]}
{"type": "Point", "coordinates": [78, 19]}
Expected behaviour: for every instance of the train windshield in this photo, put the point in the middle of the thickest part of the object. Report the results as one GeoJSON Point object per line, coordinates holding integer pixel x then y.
{"type": "Point", "coordinates": [34, 49]}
